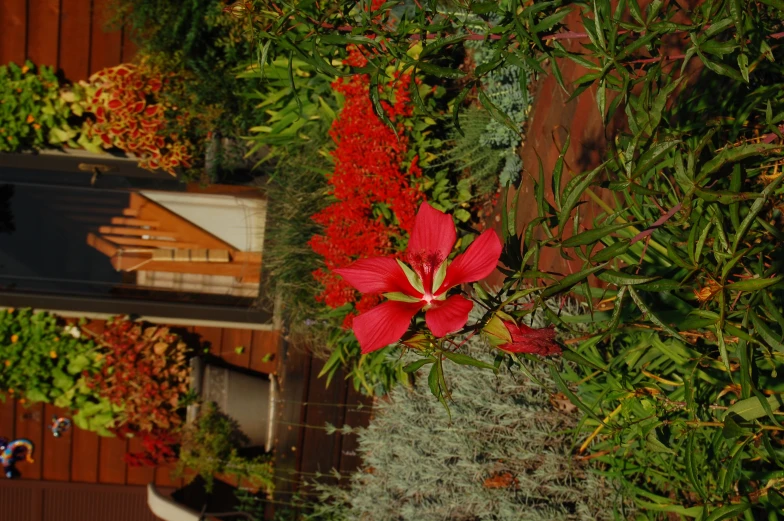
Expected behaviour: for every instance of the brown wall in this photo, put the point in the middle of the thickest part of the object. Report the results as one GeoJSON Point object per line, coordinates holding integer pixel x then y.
{"type": "Point", "coordinates": [67, 34]}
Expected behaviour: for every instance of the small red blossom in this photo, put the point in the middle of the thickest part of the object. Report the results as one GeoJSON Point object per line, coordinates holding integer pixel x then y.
{"type": "Point", "coordinates": [423, 283]}
{"type": "Point", "coordinates": [509, 336]}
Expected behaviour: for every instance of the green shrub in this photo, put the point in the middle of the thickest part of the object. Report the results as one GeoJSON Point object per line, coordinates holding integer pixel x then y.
{"type": "Point", "coordinates": [210, 446]}
{"type": "Point", "coordinates": [33, 113]}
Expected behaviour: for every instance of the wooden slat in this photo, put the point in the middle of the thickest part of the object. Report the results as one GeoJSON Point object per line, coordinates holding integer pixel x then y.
{"type": "Point", "coordinates": [75, 27]}
{"type": "Point", "coordinates": [30, 425]}
{"type": "Point", "coordinates": [7, 417]}
{"type": "Point", "coordinates": [130, 212]}
{"type": "Point", "coordinates": [106, 47]}
{"type": "Point", "coordinates": [102, 245]}
{"type": "Point", "coordinates": [164, 477]}
{"type": "Point", "coordinates": [357, 414]}
{"type": "Point", "coordinates": [56, 452]}
{"type": "Point", "coordinates": [13, 36]}
{"type": "Point", "coordinates": [249, 257]}
{"type": "Point", "coordinates": [138, 475]}
{"type": "Point", "coordinates": [111, 467]}
{"type": "Point", "coordinates": [320, 450]}
{"type": "Point", "coordinates": [130, 221]}
{"type": "Point", "coordinates": [136, 232]}
{"type": "Point", "coordinates": [211, 338]}
{"type": "Point", "coordinates": [85, 450]}
{"type": "Point", "coordinates": [134, 261]}
{"type": "Point", "coordinates": [129, 48]}
{"type": "Point", "coordinates": [151, 210]}
{"type": "Point", "coordinates": [158, 243]}
{"type": "Point", "coordinates": [264, 343]}
{"type": "Point", "coordinates": [43, 29]}
{"type": "Point", "coordinates": [232, 339]}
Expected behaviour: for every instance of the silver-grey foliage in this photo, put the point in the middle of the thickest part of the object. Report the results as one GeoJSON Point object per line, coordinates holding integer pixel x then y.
{"type": "Point", "coordinates": [505, 456]}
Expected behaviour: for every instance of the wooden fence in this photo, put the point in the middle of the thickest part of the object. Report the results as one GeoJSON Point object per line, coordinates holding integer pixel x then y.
{"type": "Point", "coordinates": [70, 35]}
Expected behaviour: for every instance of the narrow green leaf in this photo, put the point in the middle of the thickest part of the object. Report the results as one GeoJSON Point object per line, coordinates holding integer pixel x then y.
{"type": "Point", "coordinates": [612, 251]}
{"type": "Point", "coordinates": [651, 315]}
{"type": "Point", "coordinates": [415, 366]}
{"type": "Point", "coordinates": [576, 190]}
{"type": "Point", "coordinates": [462, 359]}
{"type": "Point", "coordinates": [753, 284]}
{"type": "Point", "coordinates": [728, 512]}
{"type": "Point", "coordinates": [592, 236]}
{"type": "Point", "coordinates": [572, 397]}
{"type": "Point", "coordinates": [624, 279]}
{"type": "Point", "coordinates": [751, 408]}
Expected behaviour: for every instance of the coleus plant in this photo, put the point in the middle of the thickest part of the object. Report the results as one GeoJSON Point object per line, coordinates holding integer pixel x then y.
{"type": "Point", "coordinates": [145, 374]}
{"type": "Point", "coordinates": [128, 114]}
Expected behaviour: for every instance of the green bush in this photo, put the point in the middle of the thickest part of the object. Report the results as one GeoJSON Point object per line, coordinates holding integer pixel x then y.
{"type": "Point", "coordinates": [505, 455]}
{"type": "Point", "coordinates": [33, 113]}
{"type": "Point", "coordinates": [210, 446]}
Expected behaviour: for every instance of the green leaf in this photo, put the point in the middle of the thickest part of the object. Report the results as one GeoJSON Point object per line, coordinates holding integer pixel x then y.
{"type": "Point", "coordinates": [751, 408]}
{"type": "Point", "coordinates": [755, 209]}
{"type": "Point", "coordinates": [624, 279]}
{"type": "Point", "coordinates": [734, 154]}
{"type": "Point", "coordinates": [462, 359]}
{"type": "Point", "coordinates": [432, 381]}
{"type": "Point", "coordinates": [652, 316]}
{"type": "Point", "coordinates": [415, 366]}
{"type": "Point", "coordinates": [497, 114]}
{"type": "Point", "coordinates": [576, 357]}
{"type": "Point", "coordinates": [576, 189]}
{"type": "Point", "coordinates": [591, 236]}
{"type": "Point", "coordinates": [439, 72]}
{"type": "Point", "coordinates": [728, 512]}
{"type": "Point", "coordinates": [653, 444]}
{"type": "Point", "coordinates": [765, 332]}
{"type": "Point", "coordinates": [753, 284]}
{"type": "Point", "coordinates": [731, 429]}
{"type": "Point", "coordinates": [572, 397]}
{"type": "Point", "coordinates": [612, 251]}
{"type": "Point", "coordinates": [569, 281]}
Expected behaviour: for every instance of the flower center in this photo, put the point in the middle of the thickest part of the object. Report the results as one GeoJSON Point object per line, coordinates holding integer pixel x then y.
{"type": "Point", "coordinates": [425, 264]}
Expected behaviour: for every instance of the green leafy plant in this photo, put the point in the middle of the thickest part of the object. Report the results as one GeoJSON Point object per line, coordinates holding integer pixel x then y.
{"type": "Point", "coordinates": [210, 445]}
{"type": "Point", "coordinates": [34, 113]}
{"type": "Point", "coordinates": [45, 360]}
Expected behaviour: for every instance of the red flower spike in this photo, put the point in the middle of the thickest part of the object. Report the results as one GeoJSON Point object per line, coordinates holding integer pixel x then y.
{"type": "Point", "coordinates": [423, 285]}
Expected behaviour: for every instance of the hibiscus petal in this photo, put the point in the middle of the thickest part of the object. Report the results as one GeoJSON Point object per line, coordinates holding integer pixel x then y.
{"type": "Point", "coordinates": [448, 315]}
{"type": "Point", "coordinates": [377, 275]}
{"type": "Point", "coordinates": [384, 324]}
{"type": "Point", "coordinates": [434, 232]}
{"type": "Point", "coordinates": [476, 263]}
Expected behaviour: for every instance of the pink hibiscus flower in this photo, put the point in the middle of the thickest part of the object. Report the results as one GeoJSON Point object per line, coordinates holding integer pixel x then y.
{"type": "Point", "coordinates": [422, 283]}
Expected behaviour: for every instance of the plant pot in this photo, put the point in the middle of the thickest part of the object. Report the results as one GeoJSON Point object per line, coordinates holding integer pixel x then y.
{"type": "Point", "coordinates": [248, 400]}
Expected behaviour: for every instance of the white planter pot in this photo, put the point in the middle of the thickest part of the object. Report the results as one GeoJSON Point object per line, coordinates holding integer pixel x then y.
{"type": "Point", "coordinates": [249, 400]}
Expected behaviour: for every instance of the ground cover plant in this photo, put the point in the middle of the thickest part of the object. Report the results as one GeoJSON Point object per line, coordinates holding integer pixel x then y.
{"type": "Point", "coordinates": [505, 455]}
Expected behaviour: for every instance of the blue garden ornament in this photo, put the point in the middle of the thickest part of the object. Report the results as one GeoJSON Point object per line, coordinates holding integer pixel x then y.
{"type": "Point", "coordinates": [59, 425]}
{"type": "Point", "coordinates": [12, 452]}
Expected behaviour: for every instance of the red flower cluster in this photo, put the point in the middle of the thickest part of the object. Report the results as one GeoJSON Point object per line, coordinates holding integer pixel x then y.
{"type": "Point", "coordinates": [145, 372]}
{"type": "Point", "coordinates": [158, 448]}
{"type": "Point", "coordinates": [129, 117]}
{"type": "Point", "coordinates": [372, 176]}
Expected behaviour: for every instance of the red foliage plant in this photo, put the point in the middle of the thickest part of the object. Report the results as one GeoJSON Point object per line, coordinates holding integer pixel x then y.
{"type": "Point", "coordinates": [145, 372]}
{"type": "Point", "coordinates": [372, 176]}
{"type": "Point", "coordinates": [129, 116]}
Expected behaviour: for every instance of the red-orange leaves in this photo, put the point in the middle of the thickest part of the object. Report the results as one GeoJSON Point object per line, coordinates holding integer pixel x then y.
{"type": "Point", "coordinates": [129, 116]}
